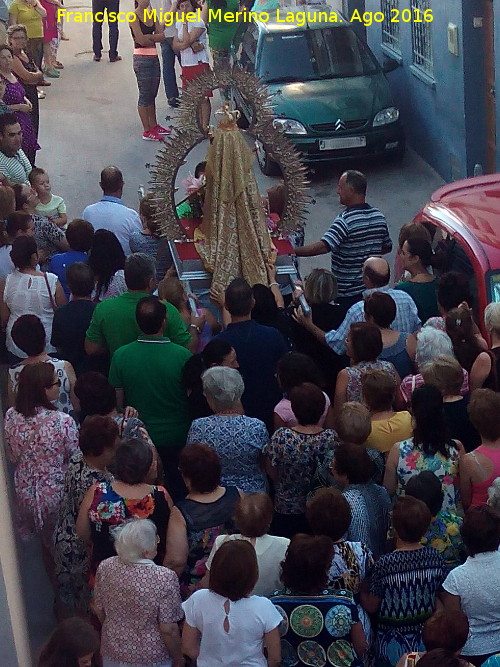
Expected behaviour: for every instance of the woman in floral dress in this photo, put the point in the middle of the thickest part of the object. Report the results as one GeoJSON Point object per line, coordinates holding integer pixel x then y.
{"type": "Point", "coordinates": [40, 441]}
{"type": "Point", "coordinates": [15, 96]}
{"type": "Point", "coordinates": [294, 455]}
{"type": "Point", "coordinates": [98, 443]}
{"type": "Point", "coordinates": [110, 503]}
{"type": "Point", "coordinates": [363, 346]}
{"type": "Point", "coordinates": [429, 449]}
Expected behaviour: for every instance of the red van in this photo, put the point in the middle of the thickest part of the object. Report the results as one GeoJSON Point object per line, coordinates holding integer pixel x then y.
{"type": "Point", "coordinates": [464, 218]}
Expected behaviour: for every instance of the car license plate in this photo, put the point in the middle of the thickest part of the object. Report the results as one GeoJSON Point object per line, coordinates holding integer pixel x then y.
{"type": "Point", "coordinates": [341, 142]}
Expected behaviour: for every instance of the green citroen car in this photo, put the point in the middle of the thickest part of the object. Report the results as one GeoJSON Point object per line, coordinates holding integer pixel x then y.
{"type": "Point", "coordinates": [329, 93]}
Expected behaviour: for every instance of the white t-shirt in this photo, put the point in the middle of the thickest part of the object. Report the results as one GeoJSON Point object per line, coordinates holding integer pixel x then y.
{"type": "Point", "coordinates": [270, 551]}
{"type": "Point", "coordinates": [249, 620]}
{"type": "Point", "coordinates": [188, 56]}
{"type": "Point", "coordinates": [477, 583]}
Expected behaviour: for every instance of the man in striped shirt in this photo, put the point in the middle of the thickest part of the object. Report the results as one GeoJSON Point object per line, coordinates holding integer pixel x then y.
{"type": "Point", "coordinates": [14, 164]}
{"type": "Point", "coordinates": [358, 232]}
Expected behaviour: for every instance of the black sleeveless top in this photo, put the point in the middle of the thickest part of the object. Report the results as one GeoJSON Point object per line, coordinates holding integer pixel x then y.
{"type": "Point", "coordinates": [204, 522]}
{"type": "Point", "coordinates": [146, 30]}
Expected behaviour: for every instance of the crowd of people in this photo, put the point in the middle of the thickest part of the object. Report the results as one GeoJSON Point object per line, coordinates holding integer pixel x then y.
{"type": "Point", "coordinates": [249, 483]}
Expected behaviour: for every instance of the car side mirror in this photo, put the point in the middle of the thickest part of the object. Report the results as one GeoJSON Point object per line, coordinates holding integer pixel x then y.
{"type": "Point", "coordinates": [390, 65]}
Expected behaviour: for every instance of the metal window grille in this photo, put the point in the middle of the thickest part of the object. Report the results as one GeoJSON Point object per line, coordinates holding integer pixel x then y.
{"type": "Point", "coordinates": [390, 31]}
{"type": "Point", "coordinates": [421, 37]}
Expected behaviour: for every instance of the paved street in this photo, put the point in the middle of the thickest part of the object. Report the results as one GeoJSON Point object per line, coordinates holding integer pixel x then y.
{"type": "Point", "coordinates": [89, 120]}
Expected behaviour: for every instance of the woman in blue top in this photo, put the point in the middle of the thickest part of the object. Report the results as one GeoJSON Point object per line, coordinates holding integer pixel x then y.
{"type": "Point", "coordinates": [398, 347]}
{"type": "Point", "coordinates": [237, 439]}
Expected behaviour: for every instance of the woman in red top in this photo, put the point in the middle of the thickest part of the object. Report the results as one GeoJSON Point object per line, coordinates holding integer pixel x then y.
{"type": "Point", "coordinates": [480, 468]}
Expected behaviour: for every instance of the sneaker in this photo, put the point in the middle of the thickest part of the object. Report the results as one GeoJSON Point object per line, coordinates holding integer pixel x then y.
{"type": "Point", "coordinates": [58, 65]}
{"type": "Point", "coordinates": [151, 136]}
{"type": "Point", "coordinates": [41, 94]}
{"type": "Point", "coordinates": [115, 59]}
{"type": "Point", "coordinates": [173, 102]}
{"type": "Point", "coordinates": [97, 59]}
{"type": "Point", "coordinates": [161, 130]}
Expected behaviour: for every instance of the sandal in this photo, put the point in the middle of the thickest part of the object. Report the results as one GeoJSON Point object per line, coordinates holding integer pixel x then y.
{"type": "Point", "coordinates": [52, 73]}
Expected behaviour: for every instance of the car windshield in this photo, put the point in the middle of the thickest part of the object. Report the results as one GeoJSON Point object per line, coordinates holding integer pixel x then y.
{"type": "Point", "coordinates": [494, 286]}
{"type": "Point", "coordinates": [326, 53]}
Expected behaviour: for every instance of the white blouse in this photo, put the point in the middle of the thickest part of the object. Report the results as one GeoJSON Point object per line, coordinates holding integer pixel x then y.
{"type": "Point", "coordinates": [26, 294]}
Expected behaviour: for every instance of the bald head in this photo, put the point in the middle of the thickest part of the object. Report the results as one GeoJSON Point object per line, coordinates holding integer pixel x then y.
{"type": "Point", "coordinates": [111, 181]}
{"type": "Point", "coordinates": [376, 272]}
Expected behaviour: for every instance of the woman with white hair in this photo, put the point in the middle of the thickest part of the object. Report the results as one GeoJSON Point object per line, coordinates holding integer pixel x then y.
{"type": "Point", "coordinates": [237, 439]}
{"type": "Point", "coordinates": [486, 370]}
{"type": "Point", "coordinates": [494, 494]}
{"type": "Point", "coordinates": [430, 343]}
{"type": "Point", "coordinates": [138, 602]}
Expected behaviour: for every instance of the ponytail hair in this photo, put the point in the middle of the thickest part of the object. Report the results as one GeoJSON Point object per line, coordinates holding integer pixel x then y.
{"type": "Point", "coordinates": [421, 248]}
{"type": "Point", "coordinates": [430, 432]}
{"type": "Point", "coordinates": [460, 328]}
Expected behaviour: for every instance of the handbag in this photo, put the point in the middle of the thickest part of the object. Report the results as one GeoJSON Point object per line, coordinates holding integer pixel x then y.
{"type": "Point", "coordinates": [52, 302]}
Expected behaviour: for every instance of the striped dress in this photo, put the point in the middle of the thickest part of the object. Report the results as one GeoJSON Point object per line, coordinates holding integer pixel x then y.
{"type": "Point", "coordinates": [407, 583]}
{"type": "Point", "coordinates": [357, 233]}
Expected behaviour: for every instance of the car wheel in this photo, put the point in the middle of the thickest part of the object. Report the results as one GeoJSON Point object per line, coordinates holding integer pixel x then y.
{"type": "Point", "coordinates": [267, 166]}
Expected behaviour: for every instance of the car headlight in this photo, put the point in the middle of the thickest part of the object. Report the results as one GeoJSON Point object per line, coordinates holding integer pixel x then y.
{"type": "Point", "coordinates": [386, 116]}
{"type": "Point", "coordinates": [289, 126]}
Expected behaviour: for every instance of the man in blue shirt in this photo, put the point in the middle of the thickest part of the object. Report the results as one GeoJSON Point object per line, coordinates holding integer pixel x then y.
{"type": "Point", "coordinates": [110, 212]}
{"type": "Point", "coordinates": [79, 236]}
{"type": "Point", "coordinates": [258, 350]}
{"type": "Point", "coordinates": [376, 276]}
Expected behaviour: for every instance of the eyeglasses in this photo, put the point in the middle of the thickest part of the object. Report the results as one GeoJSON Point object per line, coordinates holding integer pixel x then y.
{"type": "Point", "coordinates": [56, 383]}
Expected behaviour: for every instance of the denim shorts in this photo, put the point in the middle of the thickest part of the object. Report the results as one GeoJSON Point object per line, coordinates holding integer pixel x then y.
{"type": "Point", "coordinates": [147, 72]}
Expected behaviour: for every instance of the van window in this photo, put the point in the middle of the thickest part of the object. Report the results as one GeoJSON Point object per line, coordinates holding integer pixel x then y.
{"type": "Point", "coordinates": [326, 53]}
{"type": "Point", "coordinates": [249, 49]}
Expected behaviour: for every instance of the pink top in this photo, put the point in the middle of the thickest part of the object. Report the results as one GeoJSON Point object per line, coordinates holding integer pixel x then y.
{"type": "Point", "coordinates": [480, 489]}
{"type": "Point", "coordinates": [411, 382]}
{"type": "Point", "coordinates": [40, 447]}
{"type": "Point", "coordinates": [284, 412]}
{"type": "Point", "coordinates": [136, 598]}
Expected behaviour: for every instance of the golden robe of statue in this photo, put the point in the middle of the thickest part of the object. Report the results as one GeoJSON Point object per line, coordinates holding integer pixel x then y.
{"type": "Point", "coordinates": [233, 240]}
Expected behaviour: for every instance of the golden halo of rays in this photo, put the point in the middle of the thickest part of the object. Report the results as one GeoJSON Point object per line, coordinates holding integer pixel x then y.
{"type": "Point", "coordinates": [189, 134]}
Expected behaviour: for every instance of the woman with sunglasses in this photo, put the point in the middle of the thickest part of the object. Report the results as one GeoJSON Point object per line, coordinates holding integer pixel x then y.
{"type": "Point", "coordinates": [40, 441]}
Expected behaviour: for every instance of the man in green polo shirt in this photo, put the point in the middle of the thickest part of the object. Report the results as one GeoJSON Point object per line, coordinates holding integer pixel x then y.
{"type": "Point", "coordinates": [147, 375]}
{"type": "Point", "coordinates": [114, 324]}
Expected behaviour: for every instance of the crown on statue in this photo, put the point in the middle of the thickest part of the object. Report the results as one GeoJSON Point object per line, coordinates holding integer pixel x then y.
{"type": "Point", "coordinates": [229, 117]}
